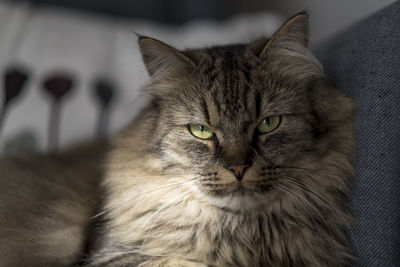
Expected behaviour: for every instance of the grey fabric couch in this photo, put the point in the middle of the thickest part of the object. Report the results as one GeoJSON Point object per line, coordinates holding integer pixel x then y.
{"type": "Point", "coordinates": [365, 62]}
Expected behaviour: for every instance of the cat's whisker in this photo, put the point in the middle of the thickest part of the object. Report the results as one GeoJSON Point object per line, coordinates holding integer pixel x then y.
{"type": "Point", "coordinates": [127, 201]}
{"type": "Point", "coordinates": [133, 196]}
{"type": "Point", "coordinates": [341, 152]}
{"type": "Point", "coordinates": [133, 250]}
{"type": "Point", "coordinates": [166, 186]}
{"type": "Point", "coordinates": [165, 205]}
{"type": "Point", "coordinates": [136, 250]}
{"type": "Point", "coordinates": [284, 188]}
{"type": "Point", "coordinates": [296, 167]}
{"type": "Point", "coordinates": [302, 198]}
{"type": "Point", "coordinates": [319, 196]}
{"type": "Point", "coordinates": [180, 221]}
{"type": "Point", "coordinates": [167, 177]}
{"type": "Point", "coordinates": [185, 197]}
{"type": "Point", "coordinates": [307, 188]}
{"type": "Point", "coordinates": [125, 206]}
{"type": "Point", "coordinates": [311, 170]}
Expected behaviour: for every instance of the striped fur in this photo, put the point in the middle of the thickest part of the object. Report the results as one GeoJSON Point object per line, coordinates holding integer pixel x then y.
{"type": "Point", "coordinates": [171, 200]}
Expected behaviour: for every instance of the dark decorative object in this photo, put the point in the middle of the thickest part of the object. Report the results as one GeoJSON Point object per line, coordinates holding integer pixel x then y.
{"type": "Point", "coordinates": [57, 86]}
{"type": "Point", "coordinates": [15, 79]}
{"type": "Point", "coordinates": [104, 91]}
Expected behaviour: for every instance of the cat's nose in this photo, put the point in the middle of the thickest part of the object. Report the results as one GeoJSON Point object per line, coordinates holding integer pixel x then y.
{"type": "Point", "coordinates": [239, 170]}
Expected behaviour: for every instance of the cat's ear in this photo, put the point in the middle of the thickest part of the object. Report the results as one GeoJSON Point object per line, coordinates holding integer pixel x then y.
{"type": "Point", "coordinates": [286, 51]}
{"type": "Point", "coordinates": [292, 35]}
{"type": "Point", "coordinates": [159, 57]}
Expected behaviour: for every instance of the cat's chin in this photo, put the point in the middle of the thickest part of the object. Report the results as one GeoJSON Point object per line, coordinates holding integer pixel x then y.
{"type": "Point", "coordinates": [242, 202]}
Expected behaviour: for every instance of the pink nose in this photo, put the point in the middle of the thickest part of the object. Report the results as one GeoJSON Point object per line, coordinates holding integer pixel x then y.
{"type": "Point", "coordinates": [239, 170]}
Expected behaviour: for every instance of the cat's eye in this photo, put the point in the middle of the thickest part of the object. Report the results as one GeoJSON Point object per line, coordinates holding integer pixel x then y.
{"type": "Point", "coordinates": [268, 124]}
{"type": "Point", "coordinates": [200, 131]}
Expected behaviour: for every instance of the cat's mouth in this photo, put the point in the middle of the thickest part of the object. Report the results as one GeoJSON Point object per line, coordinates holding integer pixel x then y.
{"type": "Point", "coordinates": [240, 197]}
{"type": "Point", "coordinates": [238, 189]}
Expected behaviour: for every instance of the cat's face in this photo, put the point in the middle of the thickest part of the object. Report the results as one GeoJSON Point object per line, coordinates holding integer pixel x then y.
{"type": "Point", "coordinates": [238, 118]}
{"type": "Point", "coordinates": [237, 127]}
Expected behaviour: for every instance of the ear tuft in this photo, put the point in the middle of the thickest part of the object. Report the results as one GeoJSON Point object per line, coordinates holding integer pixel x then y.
{"type": "Point", "coordinates": [292, 33]}
{"type": "Point", "coordinates": [159, 57]}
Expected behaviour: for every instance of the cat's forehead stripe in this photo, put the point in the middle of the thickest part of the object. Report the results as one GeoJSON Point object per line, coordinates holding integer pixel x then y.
{"type": "Point", "coordinates": [229, 85]}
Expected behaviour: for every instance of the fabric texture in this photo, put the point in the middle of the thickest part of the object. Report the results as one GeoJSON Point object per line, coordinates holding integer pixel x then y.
{"type": "Point", "coordinates": [364, 61]}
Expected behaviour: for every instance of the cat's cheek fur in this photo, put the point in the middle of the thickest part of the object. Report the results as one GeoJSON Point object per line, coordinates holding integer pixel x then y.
{"type": "Point", "coordinates": [180, 148]}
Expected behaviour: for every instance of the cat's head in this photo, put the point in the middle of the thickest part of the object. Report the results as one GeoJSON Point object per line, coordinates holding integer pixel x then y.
{"type": "Point", "coordinates": [246, 118]}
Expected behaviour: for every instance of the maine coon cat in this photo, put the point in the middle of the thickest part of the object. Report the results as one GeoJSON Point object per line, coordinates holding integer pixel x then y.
{"type": "Point", "coordinates": [244, 157]}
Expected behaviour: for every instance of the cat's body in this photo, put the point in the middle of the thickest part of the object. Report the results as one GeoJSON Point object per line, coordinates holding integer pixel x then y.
{"type": "Point", "coordinates": [46, 202]}
{"type": "Point", "coordinates": [203, 177]}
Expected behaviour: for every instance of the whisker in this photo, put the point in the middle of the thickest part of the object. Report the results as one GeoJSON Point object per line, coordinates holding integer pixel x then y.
{"type": "Point", "coordinates": [307, 169]}
{"type": "Point", "coordinates": [180, 221]}
{"type": "Point", "coordinates": [159, 216]}
{"type": "Point", "coordinates": [162, 207]}
{"type": "Point", "coordinates": [308, 189]}
{"type": "Point", "coordinates": [316, 210]}
{"type": "Point", "coordinates": [152, 190]}
{"type": "Point", "coordinates": [126, 201]}
{"type": "Point", "coordinates": [350, 156]}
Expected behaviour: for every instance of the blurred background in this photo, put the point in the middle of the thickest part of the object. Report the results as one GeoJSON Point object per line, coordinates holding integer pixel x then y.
{"type": "Point", "coordinates": [70, 69]}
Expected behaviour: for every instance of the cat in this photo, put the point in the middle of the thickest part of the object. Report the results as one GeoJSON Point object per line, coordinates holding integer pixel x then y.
{"type": "Point", "coordinates": [243, 157]}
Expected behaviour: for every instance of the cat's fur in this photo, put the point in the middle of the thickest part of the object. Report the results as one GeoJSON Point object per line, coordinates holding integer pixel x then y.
{"type": "Point", "coordinates": [170, 198]}
{"type": "Point", "coordinates": [46, 203]}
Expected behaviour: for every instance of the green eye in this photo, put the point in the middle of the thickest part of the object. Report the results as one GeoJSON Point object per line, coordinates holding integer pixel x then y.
{"type": "Point", "coordinates": [200, 131]}
{"type": "Point", "coordinates": [269, 124]}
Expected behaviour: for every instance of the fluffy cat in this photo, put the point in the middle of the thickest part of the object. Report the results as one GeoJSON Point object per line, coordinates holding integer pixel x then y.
{"type": "Point", "coordinates": [244, 157]}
